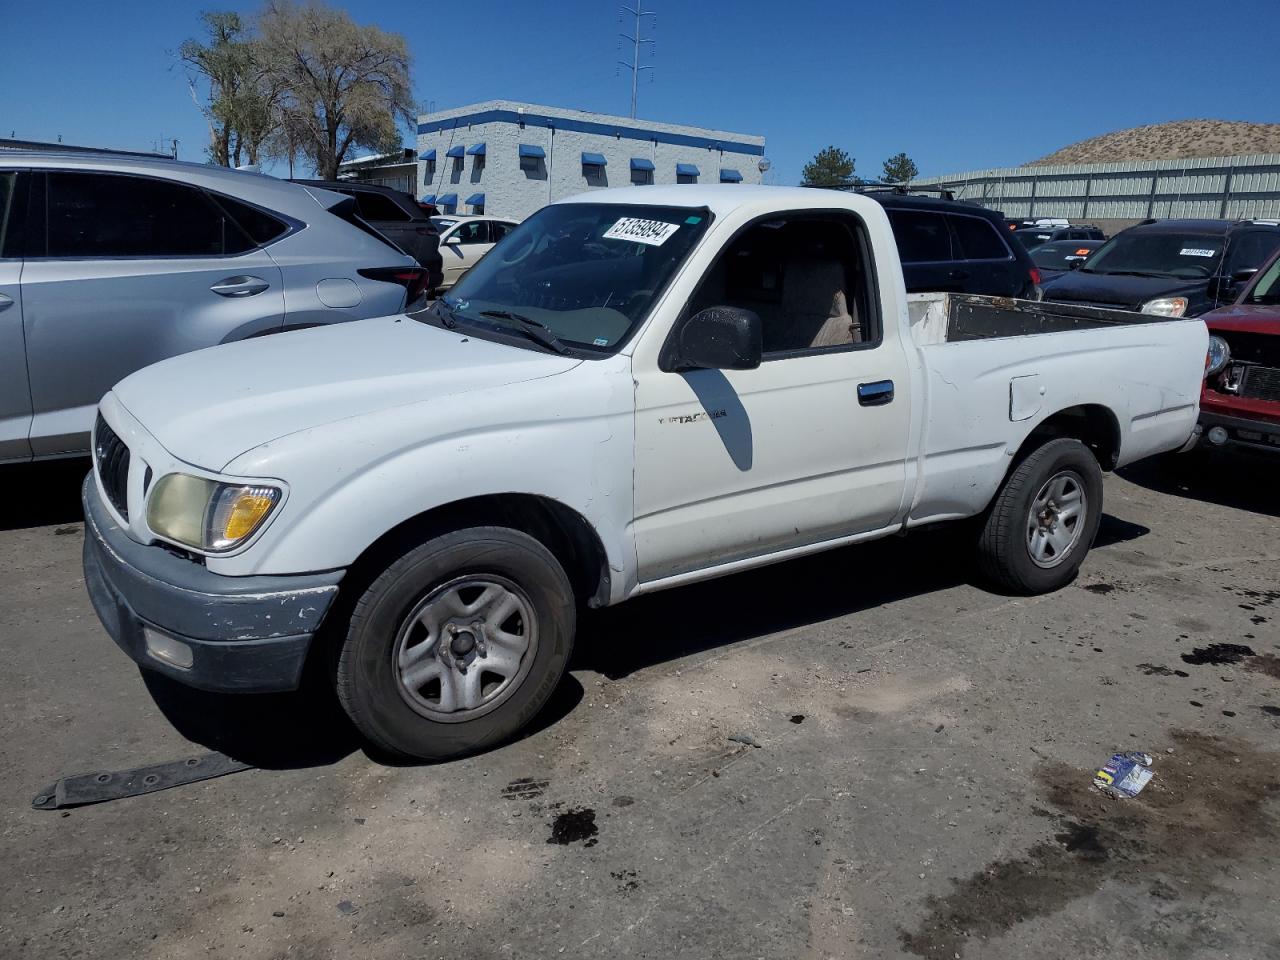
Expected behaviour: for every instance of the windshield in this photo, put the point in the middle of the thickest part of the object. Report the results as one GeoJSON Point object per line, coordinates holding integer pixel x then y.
{"type": "Point", "coordinates": [1189, 256]}
{"type": "Point", "coordinates": [1060, 254]}
{"type": "Point", "coordinates": [443, 223]}
{"type": "Point", "coordinates": [1033, 238]}
{"type": "Point", "coordinates": [586, 272]}
{"type": "Point", "coordinates": [1267, 289]}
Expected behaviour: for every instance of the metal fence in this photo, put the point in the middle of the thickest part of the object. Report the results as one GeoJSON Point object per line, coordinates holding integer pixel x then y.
{"type": "Point", "coordinates": [1235, 188]}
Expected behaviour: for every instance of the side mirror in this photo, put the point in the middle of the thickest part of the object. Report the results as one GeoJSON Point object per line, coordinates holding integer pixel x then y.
{"type": "Point", "coordinates": [717, 338]}
{"type": "Point", "coordinates": [453, 241]}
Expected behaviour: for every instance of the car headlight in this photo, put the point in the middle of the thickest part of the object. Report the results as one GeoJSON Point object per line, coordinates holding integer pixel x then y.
{"type": "Point", "coordinates": [1166, 306]}
{"type": "Point", "coordinates": [1219, 355]}
{"type": "Point", "coordinates": [208, 515]}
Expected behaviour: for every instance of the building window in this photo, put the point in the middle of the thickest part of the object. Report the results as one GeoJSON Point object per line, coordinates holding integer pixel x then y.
{"type": "Point", "coordinates": [593, 169]}
{"type": "Point", "coordinates": [641, 171]}
{"type": "Point", "coordinates": [686, 173]}
{"type": "Point", "coordinates": [428, 172]}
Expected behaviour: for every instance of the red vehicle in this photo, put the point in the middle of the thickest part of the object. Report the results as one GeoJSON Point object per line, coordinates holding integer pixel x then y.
{"type": "Point", "coordinates": [1240, 402]}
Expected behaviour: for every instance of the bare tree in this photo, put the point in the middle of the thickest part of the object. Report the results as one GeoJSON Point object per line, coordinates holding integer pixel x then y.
{"type": "Point", "coordinates": [241, 100]}
{"type": "Point", "coordinates": [340, 84]}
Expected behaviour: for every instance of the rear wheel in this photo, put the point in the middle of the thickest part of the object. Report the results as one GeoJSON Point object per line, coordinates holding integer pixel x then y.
{"type": "Point", "coordinates": [1042, 523]}
{"type": "Point", "coordinates": [458, 644]}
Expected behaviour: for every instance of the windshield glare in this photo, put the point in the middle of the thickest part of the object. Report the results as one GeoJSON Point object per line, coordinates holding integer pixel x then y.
{"type": "Point", "coordinates": [1189, 256]}
{"type": "Point", "coordinates": [1032, 238]}
{"type": "Point", "coordinates": [589, 272]}
{"type": "Point", "coordinates": [1267, 289]}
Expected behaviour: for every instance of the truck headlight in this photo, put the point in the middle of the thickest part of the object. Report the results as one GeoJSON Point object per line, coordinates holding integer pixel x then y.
{"type": "Point", "coordinates": [208, 515]}
{"type": "Point", "coordinates": [1166, 306]}
{"type": "Point", "coordinates": [1218, 357]}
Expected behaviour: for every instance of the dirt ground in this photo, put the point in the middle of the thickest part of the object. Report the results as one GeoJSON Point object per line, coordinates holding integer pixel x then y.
{"type": "Point", "coordinates": [860, 754]}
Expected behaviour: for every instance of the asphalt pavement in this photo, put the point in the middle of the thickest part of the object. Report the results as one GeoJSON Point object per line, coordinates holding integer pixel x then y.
{"type": "Point", "coordinates": [859, 754]}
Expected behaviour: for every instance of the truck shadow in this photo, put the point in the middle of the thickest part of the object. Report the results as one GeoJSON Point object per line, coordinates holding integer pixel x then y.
{"type": "Point", "coordinates": [1241, 481]}
{"type": "Point", "coordinates": [41, 494]}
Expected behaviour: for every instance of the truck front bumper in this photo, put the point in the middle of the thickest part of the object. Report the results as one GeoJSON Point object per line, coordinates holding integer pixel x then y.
{"type": "Point", "coordinates": [1218, 431]}
{"type": "Point", "coordinates": [171, 615]}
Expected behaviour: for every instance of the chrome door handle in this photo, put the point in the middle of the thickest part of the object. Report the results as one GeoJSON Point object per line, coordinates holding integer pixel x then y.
{"type": "Point", "coordinates": [875, 394]}
{"type": "Point", "coordinates": [240, 286]}
{"type": "Point", "coordinates": [5, 302]}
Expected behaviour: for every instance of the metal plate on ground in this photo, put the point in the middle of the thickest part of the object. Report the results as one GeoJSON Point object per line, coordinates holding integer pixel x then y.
{"type": "Point", "coordinates": [87, 788]}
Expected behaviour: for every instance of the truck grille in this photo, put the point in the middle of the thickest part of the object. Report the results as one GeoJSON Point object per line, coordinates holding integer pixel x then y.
{"type": "Point", "coordinates": [111, 457]}
{"type": "Point", "coordinates": [1261, 383]}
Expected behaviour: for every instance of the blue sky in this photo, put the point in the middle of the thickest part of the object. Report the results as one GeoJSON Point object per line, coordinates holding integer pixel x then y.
{"type": "Point", "coordinates": [958, 85]}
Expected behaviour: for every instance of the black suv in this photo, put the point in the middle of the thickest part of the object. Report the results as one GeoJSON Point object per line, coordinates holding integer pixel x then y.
{"type": "Point", "coordinates": [956, 247]}
{"type": "Point", "coordinates": [398, 217]}
{"type": "Point", "coordinates": [1031, 237]}
{"type": "Point", "coordinates": [1174, 268]}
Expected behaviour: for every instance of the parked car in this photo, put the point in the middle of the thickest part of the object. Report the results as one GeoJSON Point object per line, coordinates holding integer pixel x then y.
{"type": "Point", "coordinates": [1032, 237]}
{"type": "Point", "coordinates": [957, 247]}
{"type": "Point", "coordinates": [1059, 256]}
{"type": "Point", "coordinates": [1240, 405]}
{"type": "Point", "coordinates": [1176, 268]}
{"type": "Point", "coordinates": [639, 388]}
{"type": "Point", "coordinates": [397, 216]}
{"type": "Point", "coordinates": [464, 240]}
{"type": "Point", "coordinates": [111, 263]}
{"type": "Point", "coordinates": [1015, 223]}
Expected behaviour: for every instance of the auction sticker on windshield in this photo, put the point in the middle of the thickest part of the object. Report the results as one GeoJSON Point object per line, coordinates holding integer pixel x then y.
{"type": "Point", "coordinates": [652, 232]}
{"type": "Point", "coordinates": [1196, 252]}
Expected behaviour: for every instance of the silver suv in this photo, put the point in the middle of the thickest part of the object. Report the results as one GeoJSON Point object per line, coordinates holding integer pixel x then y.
{"type": "Point", "coordinates": [110, 263]}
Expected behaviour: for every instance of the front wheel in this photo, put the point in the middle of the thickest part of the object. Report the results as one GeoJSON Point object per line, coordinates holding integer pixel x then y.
{"type": "Point", "coordinates": [1042, 523]}
{"type": "Point", "coordinates": [458, 644]}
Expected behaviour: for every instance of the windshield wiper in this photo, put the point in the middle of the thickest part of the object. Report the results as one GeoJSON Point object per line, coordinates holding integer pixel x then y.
{"type": "Point", "coordinates": [1132, 273]}
{"type": "Point", "coordinates": [535, 329]}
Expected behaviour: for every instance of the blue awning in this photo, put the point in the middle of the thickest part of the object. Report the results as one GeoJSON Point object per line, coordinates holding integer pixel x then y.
{"type": "Point", "coordinates": [640, 163]}
{"type": "Point", "coordinates": [729, 175]}
{"type": "Point", "coordinates": [477, 150]}
{"type": "Point", "coordinates": [686, 170]}
{"type": "Point", "coordinates": [447, 200]}
{"type": "Point", "coordinates": [593, 159]}
{"type": "Point", "coordinates": [532, 150]}
{"type": "Point", "coordinates": [476, 200]}
{"type": "Point", "coordinates": [428, 198]}
{"type": "Point", "coordinates": [427, 155]}
{"type": "Point", "coordinates": [456, 151]}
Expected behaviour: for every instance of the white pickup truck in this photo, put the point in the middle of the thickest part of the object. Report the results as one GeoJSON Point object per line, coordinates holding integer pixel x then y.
{"type": "Point", "coordinates": [637, 389]}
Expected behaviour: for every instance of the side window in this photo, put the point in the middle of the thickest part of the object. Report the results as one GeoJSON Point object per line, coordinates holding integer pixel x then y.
{"type": "Point", "coordinates": [375, 206]}
{"type": "Point", "coordinates": [1251, 250]}
{"type": "Point", "coordinates": [109, 215]}
{"type": "Point", "coordinates": [977, 239]}
{"type": "Point", "coordinates": [476, 231]}
{"type": "Point", "coordinates": [808, 277]}
{"type": "Point", "coordinates": [8, 227]}
{"type": "Point", "coordinates": [261, 227]}
{"type": "Point", "coordinates": [922, 237]}
{"type": "Point", "coordinates": [500, 229]}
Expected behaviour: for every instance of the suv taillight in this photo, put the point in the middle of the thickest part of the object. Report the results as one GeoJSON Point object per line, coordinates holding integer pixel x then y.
{"type": "Point", "coordinates": [1035, 276]}
{"type": "Point", "coordinates": [413, 279]}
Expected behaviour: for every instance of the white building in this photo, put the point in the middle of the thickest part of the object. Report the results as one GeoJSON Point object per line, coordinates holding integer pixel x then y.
{"type": "Point", "coordinates": [508, 159]}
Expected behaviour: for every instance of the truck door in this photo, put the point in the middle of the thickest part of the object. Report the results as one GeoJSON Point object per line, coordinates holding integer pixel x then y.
{"type": "Point", "coordinates": [134, 269]}
{"type": "Point", "coordinates": [811, 445]}
{"type": "Point", "coordinates": [15, 397]}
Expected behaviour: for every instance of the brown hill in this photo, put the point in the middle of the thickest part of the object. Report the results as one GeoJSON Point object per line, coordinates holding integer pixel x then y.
{"type": "Point", "coordinates": [1170, 141]}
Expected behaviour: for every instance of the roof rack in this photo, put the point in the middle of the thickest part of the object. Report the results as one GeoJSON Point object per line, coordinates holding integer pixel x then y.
{"type": "Point", "coordinates": [905, 189]}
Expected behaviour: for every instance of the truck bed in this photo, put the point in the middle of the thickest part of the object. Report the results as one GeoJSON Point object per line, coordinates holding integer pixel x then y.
{"type": "Point", "coordinates": [950, 317]}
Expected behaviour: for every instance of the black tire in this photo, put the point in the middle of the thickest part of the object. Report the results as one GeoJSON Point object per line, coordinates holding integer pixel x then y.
{"type": "Point", "coordinates": [1004, 556]}
{"type": "Point", "coordinates": [367, 680]}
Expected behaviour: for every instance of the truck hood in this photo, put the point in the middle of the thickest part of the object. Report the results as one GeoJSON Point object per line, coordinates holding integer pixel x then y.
{"type": "Point", "coordinates": [1127, 293]}
{"type": "Point", "coordinates": [210, 406]}
{"type": "Point", "coordinates": [1245, 317]}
